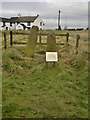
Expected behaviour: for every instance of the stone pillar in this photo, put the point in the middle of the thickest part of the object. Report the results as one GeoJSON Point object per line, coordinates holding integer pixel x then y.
{"type": "Point", "coordinates": [51, 43]}
{"type": "Point", "coordinates": [32, 41]}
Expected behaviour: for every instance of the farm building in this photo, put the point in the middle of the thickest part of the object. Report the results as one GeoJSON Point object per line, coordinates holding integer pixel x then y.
{"type": "Point", "coordinates": [21, 23]}
{"type": "Point", "coordinates": [4, 23]}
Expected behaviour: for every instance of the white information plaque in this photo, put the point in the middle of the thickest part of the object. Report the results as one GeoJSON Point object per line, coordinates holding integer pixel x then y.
{"type": "Point", "coordinates": [51, 57]}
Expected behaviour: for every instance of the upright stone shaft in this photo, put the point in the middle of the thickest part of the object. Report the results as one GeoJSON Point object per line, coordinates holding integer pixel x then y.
{"type": "Point", "coordinates": [51, 43]}
{"type": "Point", "coordinates": [32, 41]}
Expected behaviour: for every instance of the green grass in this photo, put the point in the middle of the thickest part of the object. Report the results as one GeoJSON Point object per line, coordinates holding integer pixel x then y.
{"type": "Point", "coordinates": [33, 90]}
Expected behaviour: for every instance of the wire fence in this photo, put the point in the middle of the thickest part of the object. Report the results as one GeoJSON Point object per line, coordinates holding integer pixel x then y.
{"type": "Point", "coordinates": [81, 37]}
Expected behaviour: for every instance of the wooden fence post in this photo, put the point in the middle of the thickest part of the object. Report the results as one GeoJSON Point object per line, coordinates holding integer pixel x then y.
{"type": "Point", "coordinates": [77, 44]}
{"type": "Point", "coordinates": [77, 41]}
{"type": "Point", "coordinates": [67, 38]}
{"type": "Point", "coordinates": [11, 43]}
{"type": "Point", "coordinates": [5, 41]}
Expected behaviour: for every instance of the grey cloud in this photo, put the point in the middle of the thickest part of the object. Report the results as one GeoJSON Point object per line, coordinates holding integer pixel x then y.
{"type": "Point", "coordinates": [76, 13]}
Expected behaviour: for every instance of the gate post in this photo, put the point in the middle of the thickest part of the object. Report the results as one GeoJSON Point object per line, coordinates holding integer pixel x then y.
{"type": "Point", "coordinates": [11, 37]}
{"type": "Point", "coordinates": [5, 41]}
{"type": "Point", "coordinates": [67, 39]}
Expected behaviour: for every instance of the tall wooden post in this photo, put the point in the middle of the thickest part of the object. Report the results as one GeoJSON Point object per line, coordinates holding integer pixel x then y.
{"type": "Point", "coordinates": [77, 41]}
{"type": "Point", "coordinates": [77, 44]}
{"type": "Point", "coordinates": [11, 42]}
{"type": "Point", "coordinates": [5, 41]}
{"type": "Point", "coordinates": [59, 26]}
{"type": "Point", "coordinates": [67, 38]}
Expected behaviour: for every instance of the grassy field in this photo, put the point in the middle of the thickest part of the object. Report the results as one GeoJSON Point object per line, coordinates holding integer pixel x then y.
{"type": "Point", "coordinates": [33, 90]}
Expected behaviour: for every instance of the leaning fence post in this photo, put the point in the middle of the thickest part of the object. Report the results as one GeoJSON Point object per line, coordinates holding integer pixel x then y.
{"type": "Point", "coordinates": [5, 41]}
{"type": "Point", "coordinates": [11, 43]}
{"type": "Point", "coordinates": [67, 38]}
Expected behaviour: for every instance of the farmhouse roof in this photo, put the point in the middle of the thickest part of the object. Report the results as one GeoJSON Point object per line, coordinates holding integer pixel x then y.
{"type": "Point", "coordinates": [13, 19]}
{"type": "Point", "coordinates": [27, 18]}
{"type": "Point", "coordinates": [19, 19]}
{"type": "Point", "coordinates": [4, 19]}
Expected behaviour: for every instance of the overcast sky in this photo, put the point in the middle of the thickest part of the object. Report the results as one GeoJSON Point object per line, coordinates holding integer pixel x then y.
{"type": "Point", "coordinates": [73, 14]}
